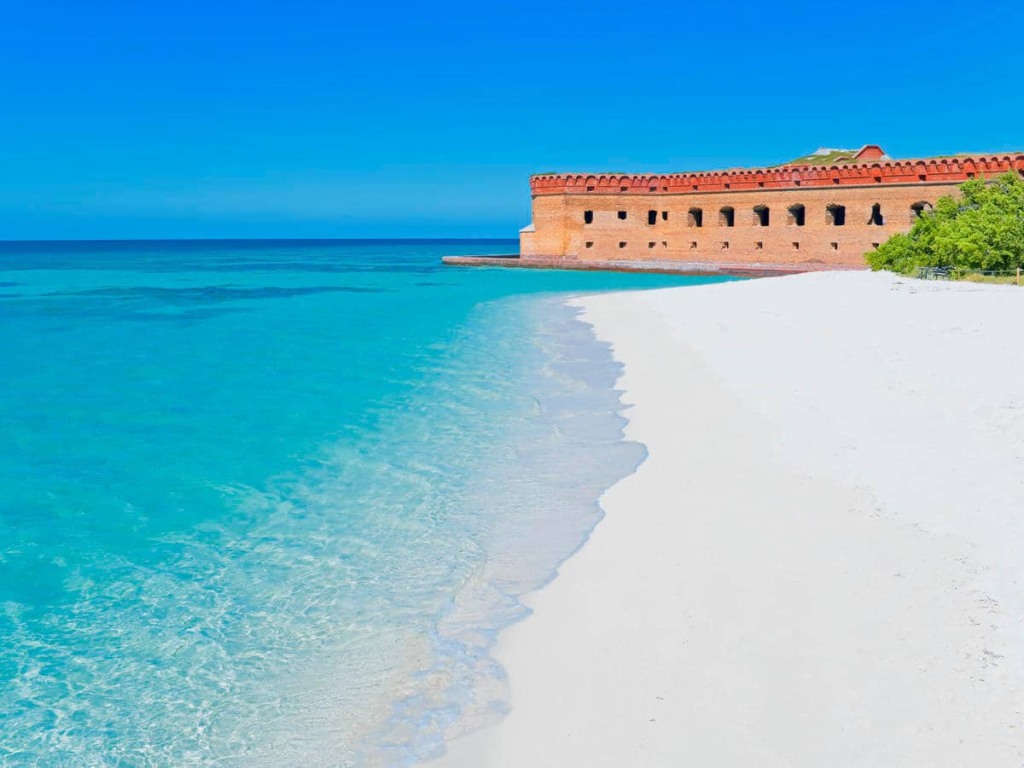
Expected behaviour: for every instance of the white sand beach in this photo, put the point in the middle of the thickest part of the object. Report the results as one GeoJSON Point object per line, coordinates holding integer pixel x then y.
{"type": "Point", "coordinates": [820, 562]}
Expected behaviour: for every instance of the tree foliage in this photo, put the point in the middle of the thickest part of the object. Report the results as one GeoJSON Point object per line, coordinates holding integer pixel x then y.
{"type": "Point", "coordinates": [981, 229]}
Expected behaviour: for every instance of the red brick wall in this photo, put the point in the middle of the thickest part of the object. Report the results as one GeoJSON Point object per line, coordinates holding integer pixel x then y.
{"type": "Point", "coordinates": [560, 203]}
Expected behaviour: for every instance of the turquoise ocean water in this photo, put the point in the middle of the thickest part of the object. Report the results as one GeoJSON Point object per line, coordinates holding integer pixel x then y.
{"type": "Point", "coordinates": [268, 503]}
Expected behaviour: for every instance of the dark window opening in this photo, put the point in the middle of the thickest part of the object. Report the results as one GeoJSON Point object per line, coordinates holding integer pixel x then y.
{"type": "Point", "coordinates": [878, 179]}
{"type": "Point", "coordinates": [921, 177]}
{"type": "Point", "coordinates": [835, 180]}
{"type": "Point", "coordinates": [664, 243]}
{"type": "Point", "coordinates": [797, 215]}
{"type": "Point", "coordinates": [623, 189]}
{"type": "Point", "coordinates": [875, 246]}
{"type": "Point", "coordinates": [796, 246]}
{"type": "Point", "coordinates": [622, 215]}
{"type": "Point", "coordinates": [759, 245]}
{"type": "Point", "coordinates": [693, 245]}
{"type": "Point", "coordinates": [588, 217]}
{"type": "Point", "coordinates": [876, 219]}
{"type": "Point", "coordinates": [760, 183]}
{"type": "Point", "coordinates": [695, 218]}
{"type": "Point", "coordinates": [762, 216]}
{"type": "Point", "coordinates": [622, 244]}
{"type": "Point", "coordinates": [651, 244]}
{"type": "Point", "coordinates": [664, 215]}
{"type": "Point", "coordinates": [728, 185]}
{"type": "Point", "coordinates": [727, 217]}
{"type": "Point", "coordinates": [654, 189]}
{"type": "Point", "coordinates": [725, 245]}
{"type": "Point", "coordinates": [835, 246]}
{"type": "Point", "coordinates": [836, 215]}
{"type": "Point", "coordinates": [917, 210]}
{"type": "Point", "coordinates": [590, 189]}
{"type": "Point", "coordinates": [970, 175]}
{"type": "Point", "coordinates": [652, 217]}
{"type": "Point", "coordinates": [590, 243]}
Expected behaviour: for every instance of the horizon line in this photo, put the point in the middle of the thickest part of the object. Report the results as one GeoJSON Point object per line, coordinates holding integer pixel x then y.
{"type": "Point", "coordinates": [260, 240]}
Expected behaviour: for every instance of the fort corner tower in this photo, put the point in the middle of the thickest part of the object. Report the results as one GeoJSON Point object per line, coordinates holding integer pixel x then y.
{"type": "Point", "coordinates": [825, 210]}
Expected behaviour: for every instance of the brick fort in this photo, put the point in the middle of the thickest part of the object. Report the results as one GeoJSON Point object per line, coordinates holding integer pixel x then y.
{"type": "Point", "coordinates": [822, 211]}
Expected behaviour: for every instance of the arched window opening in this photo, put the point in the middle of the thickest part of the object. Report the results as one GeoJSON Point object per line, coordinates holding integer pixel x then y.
{"type": "Point", "coordinates": [652, 217]}
{"type": "Point", "coordinates": [876, 219]}
{"type": "Point", "coordinates": [727, 217]}
{"type": "Point", "coordinates": [836, 215]}
{"type": "Point", "coordinates": [918, 209]}
{"type": "Point", "coordinates": [695, 218]}
{"type": "Point", "coordinates": [762, 216]}
{"type": "Point", "coordinates": [797, 215]}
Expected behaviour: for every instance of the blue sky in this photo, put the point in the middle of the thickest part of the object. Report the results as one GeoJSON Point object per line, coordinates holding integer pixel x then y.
{"type": "Point", "coordinates": [331, 119]}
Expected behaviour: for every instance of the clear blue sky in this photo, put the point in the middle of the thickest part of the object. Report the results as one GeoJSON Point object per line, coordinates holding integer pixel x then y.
{"type": "Point", "coordinates": [333, 119]}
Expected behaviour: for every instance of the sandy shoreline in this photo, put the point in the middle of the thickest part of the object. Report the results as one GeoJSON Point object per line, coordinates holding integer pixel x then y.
{"type": "Point", "coordinates": [820, 561]}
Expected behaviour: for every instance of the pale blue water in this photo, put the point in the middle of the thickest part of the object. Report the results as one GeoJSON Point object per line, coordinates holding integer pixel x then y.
{"type": "Point", "coordinates": [267, 503]}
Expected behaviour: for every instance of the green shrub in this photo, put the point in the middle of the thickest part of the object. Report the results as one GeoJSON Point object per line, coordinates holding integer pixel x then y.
{"type": "Point", "coordinates": [982, 229]}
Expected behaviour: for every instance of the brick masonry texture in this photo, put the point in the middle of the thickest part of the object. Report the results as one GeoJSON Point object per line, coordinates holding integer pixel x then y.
{"type": "Point", "coordinates": [788, 215]}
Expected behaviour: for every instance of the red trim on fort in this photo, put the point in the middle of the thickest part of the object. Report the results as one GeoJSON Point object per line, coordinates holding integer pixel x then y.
{"type": "Point", "coordinates": [940, 169]}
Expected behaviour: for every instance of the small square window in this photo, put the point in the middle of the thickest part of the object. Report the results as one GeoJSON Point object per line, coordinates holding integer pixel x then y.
{"type": "Point", "coordinates": [922, 177]}
{"type": "Point", "coordinates": [835, 180]}
{"type": "Point", "coordinates": [590, 244]}
{"type": "Point", "coordinates": [622, 244]}
{"type": "Point", "coordinates": [796, 246]}
{"type": "Point", "coordinates": [654, 189]}
{"type": "Point", "coordinates": [623, 189]}
{"type": "Point", "coordinates": [725, 245]}
{"type": "Point", "coordinates": [760, 183]}
{"type": "Point", "coordinates": [835, 246]}
{"type": "Point", "coordinates": [875, 246]}
{"type": "Point", "coordinates": [664, 243]}
{"type": "Point", "coordinates": [693, 245]}
{"type": "Point", "coordinates": [664, 215]}
{"type": "Point", "coordinates": [651, 244]}
{"type": "Point", "coordinates": [590, 189]}
{"type": "Point", "coordinates": [759, 245]}
{"type": "Point", "coordinates": [622, 215]}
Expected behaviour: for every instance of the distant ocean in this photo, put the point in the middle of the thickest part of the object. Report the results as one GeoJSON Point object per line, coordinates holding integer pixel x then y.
{"type": "Point", "coordinates": [269, 502]}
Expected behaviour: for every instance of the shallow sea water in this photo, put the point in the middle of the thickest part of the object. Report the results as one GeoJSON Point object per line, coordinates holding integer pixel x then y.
{"type": "Point", "coordinates": [269, 503]}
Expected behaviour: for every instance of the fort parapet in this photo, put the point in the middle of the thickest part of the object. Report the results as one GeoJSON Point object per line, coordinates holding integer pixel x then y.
{"type": "Point", "coordinates": [797, 216]}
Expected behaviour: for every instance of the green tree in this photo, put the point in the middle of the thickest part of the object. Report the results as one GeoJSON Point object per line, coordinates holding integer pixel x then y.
{"type": "Point", "coordinates": [981, 229]}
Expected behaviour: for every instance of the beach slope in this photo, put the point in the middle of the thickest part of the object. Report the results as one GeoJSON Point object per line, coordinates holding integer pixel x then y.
{"type": "Point", "coordinates": [818, 564]}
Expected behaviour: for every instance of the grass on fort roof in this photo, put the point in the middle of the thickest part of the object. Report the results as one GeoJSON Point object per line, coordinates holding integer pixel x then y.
{"type": "Point", "coordinates": [832, 157]}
